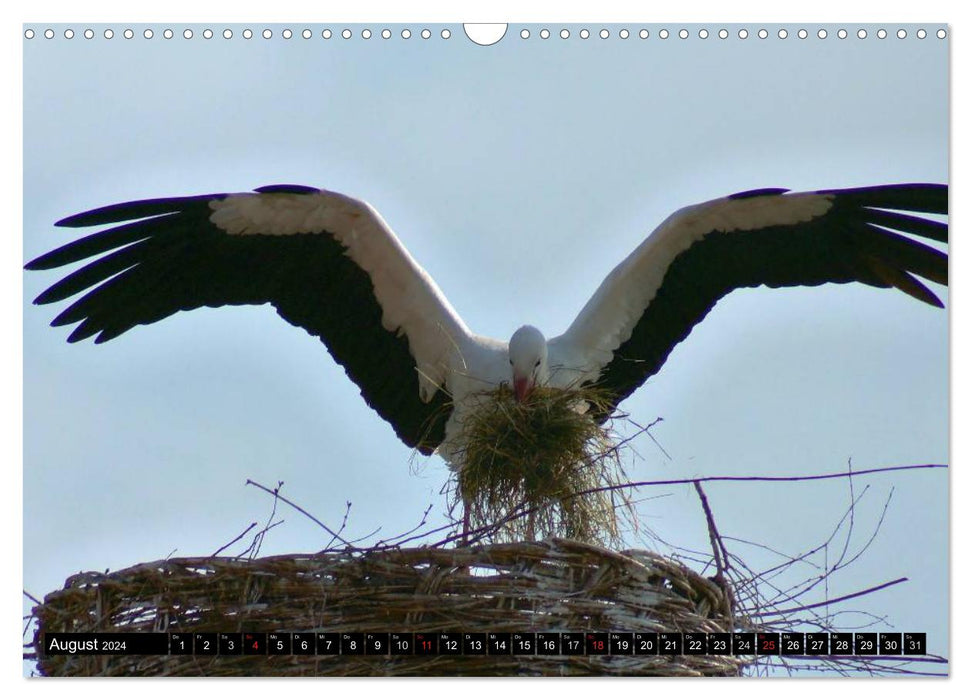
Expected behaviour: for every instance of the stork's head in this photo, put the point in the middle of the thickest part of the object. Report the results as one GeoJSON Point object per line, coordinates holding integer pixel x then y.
{"type": "Point", "coordinates": [528, 360]}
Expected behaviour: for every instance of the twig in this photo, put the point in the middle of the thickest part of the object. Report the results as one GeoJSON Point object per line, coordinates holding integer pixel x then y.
{"type": "Point", "coordinates": [840, 599]}
{"type": "Point", "coordinates": [717, 546]}
{"type": "Point", "coordinates": [250, 482]}
{"type": "Point", "coordinates": [257, 542]}
{"type": "Point", "coordinates": [234, 540]}
{"type": "Point", "coordinates": [391, 540]}
{"type": "Point", "coordinates": [347, 512]}
{"type": "Point", "coordinates": [805, 477]}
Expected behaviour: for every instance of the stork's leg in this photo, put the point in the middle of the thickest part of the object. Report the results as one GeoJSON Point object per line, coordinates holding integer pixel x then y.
{"type": "Point", "coordinates": [465, 524]}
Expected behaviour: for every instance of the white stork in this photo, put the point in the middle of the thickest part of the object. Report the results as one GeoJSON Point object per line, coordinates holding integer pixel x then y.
{"type": "Point", "coordinates": [331, 265]}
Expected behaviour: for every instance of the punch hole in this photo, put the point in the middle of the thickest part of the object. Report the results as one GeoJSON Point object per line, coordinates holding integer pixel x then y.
{"type": "Point", "coordinates": [227, 33]}
{"type": "Point", "coordinates": [29, 34]}
{"type": "Point", "coordinates": [881, 33]}
{"type": "Point", "coordinates": [643, 34]}
{"type": "Point", "coordinates": [624, 34]}
{"type": "Point", "coordinates": [486, 34]}
{"type": "Point", "coordinates": [168, 34]}
{"type": "Point", "coordinates": [941, 34]}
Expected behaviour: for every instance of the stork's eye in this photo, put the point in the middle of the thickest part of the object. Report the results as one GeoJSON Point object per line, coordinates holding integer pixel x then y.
{"type": "Point", "coordinates": [537, 364]}
{"type": "Point", "coordinates": [510, 362]}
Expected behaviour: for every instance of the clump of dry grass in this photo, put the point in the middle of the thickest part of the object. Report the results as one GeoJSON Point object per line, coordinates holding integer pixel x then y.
{"type": "Point", "coordinates": [531, 468]}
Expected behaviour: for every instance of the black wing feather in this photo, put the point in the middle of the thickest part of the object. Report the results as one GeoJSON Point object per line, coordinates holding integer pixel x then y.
{"type": "Point", "coordinates": [849, 243]}
{"type": "Point", "coordinates": [920, 197]}
{"type": "Point", "coordinates": [174, 259]}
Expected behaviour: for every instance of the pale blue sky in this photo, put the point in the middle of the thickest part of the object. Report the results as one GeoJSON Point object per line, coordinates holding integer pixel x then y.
{"type": "Point", "coordinates": [518, 175]}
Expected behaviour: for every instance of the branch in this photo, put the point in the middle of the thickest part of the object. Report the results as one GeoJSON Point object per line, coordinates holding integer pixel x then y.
{"type": "Point", "coordinates": [275, 494]}
{"type": "Point", "coordinates": [838, 600]}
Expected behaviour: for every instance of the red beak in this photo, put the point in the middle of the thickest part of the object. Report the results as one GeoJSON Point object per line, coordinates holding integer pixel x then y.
{"type": "Point", "coordinates": [521, 387]}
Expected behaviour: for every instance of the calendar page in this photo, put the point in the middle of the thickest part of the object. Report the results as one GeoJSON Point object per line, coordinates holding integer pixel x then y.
{"type": "Point", "coordinates": [696, 271]}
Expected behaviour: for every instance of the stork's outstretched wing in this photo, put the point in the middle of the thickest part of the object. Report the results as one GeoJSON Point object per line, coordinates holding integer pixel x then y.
{"type": "Point", "coordinates": [651, 301]}
{"type": "Point", "coordinates": [327, 262]}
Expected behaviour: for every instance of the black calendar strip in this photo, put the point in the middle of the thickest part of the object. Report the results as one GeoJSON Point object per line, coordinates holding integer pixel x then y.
{"type": "Point", "coordinates": [810, 644]}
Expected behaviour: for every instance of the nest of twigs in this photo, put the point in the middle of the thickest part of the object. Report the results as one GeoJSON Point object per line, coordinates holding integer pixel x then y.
{"type": "Point", "coordinates": [542, 467]}
{"type": "Point", "coordinates": [553, 586]}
